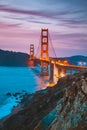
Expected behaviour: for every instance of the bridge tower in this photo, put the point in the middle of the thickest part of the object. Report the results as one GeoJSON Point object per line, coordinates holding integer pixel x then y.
{"type": "Point", "coordinates": [31, 60]}
{"type": "Point", "coordinates": [44, 52]}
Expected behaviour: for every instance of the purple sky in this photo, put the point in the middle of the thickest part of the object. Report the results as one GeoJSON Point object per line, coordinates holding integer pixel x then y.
{"type": "Point", "coordinates": [21, 22]}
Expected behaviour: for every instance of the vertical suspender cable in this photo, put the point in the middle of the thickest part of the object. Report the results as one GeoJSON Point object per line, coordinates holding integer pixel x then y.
{"type": "Point", "coordinates": [52, 45]}
{"type": "Point", "coordinates": [37, 50]}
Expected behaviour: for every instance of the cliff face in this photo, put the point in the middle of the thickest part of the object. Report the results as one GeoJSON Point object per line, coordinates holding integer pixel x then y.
{"type": "Point", "coordinates": [72, 116]}
{"type": "Point", "coordinates": [70, 112]}
{"type": "Point", "coordinates": [63, 107]}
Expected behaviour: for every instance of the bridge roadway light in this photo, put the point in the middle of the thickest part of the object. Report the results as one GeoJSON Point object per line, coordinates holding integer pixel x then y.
{"type": "Point", "coordinates": [61, 64]}
{"type": "Point", "coordinates": [65, 62]}
{"type": "Point", "coordinates": [59, 61]}
{"type": "Point", "coordinates": [56, 62]}
{"type": "Point", "coordinates": [52, 62]}
{"type": "Point", "coordinates": [62, 74]}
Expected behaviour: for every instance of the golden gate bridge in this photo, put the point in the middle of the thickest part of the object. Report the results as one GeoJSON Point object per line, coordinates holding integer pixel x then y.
{"type": "Point", "coordinates": [58, 68]}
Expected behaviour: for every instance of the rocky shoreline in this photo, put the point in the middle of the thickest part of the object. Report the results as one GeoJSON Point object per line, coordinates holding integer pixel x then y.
{"type": "Point", "coordinates": [18, 96]}
{"type": "Point", "coordinates": [46, 110]}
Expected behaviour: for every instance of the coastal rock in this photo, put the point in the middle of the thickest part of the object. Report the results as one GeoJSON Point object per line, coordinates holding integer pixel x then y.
{"type": "Point", "coordinates": [62, 107]}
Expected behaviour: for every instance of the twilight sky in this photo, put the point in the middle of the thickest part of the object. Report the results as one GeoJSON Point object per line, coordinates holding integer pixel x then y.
{"type": "Point", "coordinates": [21, 22]}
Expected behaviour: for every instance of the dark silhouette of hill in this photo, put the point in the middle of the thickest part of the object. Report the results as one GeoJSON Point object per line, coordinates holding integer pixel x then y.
{"type": "Point", "coordinates": [10, 58]}
{"type": "Point", "coordinates": [76, 59]}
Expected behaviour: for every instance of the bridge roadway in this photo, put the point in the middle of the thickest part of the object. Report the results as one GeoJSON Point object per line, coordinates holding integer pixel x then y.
{"type": "Point", "coordinates": [59, 63]}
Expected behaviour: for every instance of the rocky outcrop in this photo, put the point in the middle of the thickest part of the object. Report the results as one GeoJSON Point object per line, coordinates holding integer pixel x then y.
{"type": "Point", "coordinates": [62, 107]}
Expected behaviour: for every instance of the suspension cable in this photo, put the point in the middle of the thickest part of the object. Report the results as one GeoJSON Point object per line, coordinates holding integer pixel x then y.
{"type": "Point", "coordinates": [37, 50]}
{"type": "Point", "coordinates": [52, 45]}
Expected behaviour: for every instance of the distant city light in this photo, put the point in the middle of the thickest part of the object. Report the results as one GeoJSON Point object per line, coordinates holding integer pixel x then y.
{"type": "Point", "coordinates": [82, 63]}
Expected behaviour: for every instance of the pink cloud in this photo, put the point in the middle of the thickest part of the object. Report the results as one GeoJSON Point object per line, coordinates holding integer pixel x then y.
{"type": "Point", "coordinates": [6, 25]}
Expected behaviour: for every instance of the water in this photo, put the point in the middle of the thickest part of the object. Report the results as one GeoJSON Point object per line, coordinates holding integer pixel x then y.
{"type": "Point", "coordinates": [15, 79]}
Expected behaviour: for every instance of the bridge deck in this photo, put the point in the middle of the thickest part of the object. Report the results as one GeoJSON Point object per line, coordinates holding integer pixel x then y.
{"type": "Point", "coordinates": [60, 64]}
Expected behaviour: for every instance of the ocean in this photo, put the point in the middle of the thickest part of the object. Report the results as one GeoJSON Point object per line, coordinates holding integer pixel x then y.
{"type": "Point", "coordinates": [16, 80]}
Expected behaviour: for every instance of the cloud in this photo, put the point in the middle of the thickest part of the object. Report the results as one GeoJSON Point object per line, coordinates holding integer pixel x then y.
{"type": "Point", "coordinates": [6, 25]}
{"type": "Point", "coordinates": [21, 11]}
{"type": "Point", "coordinates": [69, 18]}
{"type": "Point", "coordinates": [59, 16]}
{"type": "Point", "coordinates": [70, 35]}
{"type": "Point", "coordinates": [70, 41]}
{"type": "Point", "coordinates": [44, 13]}
{"type": "Point", "coordinates": [74, 23]}
{"type": "Point", "coordinates": [39, 22]}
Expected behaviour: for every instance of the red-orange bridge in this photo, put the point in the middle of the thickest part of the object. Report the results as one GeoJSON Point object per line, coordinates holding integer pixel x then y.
{"type": "Point", "coordinates": [57, 67]}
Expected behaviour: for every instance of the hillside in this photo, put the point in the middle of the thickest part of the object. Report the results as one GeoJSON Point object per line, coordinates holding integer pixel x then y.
{"type": "Point", "coordinates": [9, 58]}
{"type": "Point", "coordinates": [76, 59]}
{"type": "Point", "coordinates": [62, 107]}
